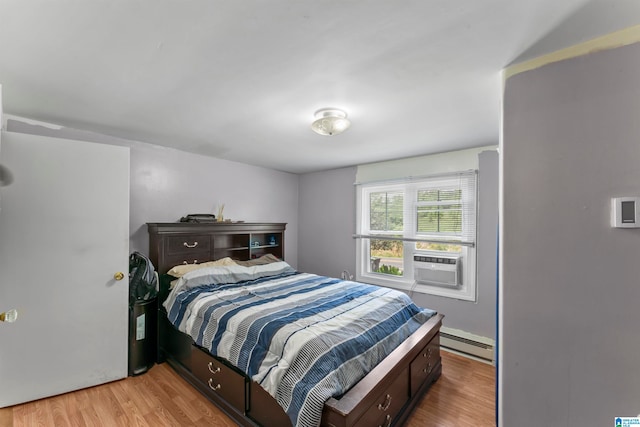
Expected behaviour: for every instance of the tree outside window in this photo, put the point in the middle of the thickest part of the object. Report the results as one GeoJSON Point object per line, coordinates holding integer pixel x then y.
{"type": "Point", "coordinates": [386, 210]}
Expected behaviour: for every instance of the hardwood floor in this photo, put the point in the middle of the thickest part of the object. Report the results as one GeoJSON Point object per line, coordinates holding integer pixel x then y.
{"type": "Point", "coordinates": [464, 396]}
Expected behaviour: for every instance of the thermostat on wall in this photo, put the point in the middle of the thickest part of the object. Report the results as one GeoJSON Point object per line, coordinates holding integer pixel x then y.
{"type": "Point", "coordinates": [625, 212]}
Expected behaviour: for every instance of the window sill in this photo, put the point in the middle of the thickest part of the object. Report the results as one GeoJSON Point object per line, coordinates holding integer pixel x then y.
{"type": "Point", "coordinates": [459, 294]}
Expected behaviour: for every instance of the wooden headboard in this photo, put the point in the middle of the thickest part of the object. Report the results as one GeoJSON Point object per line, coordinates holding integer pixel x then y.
{"type": "Point", "coordinates": [172, 244]}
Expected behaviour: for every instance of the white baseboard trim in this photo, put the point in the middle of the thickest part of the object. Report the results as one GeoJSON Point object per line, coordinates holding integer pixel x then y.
{"type": "Point", "coordinates": [467, 344]}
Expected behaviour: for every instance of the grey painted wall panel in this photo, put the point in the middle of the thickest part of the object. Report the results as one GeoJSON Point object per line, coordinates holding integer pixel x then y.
{"type": "Point", "coordinates": [570, 282]}
{"type": "Point", "coordinates": [166, 184]}
{"type": "Point", "coordinates": [327, 222]}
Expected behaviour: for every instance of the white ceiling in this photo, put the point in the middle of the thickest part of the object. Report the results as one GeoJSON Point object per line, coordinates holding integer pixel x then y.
{"type": "Point", "coordinates": [241, 79]}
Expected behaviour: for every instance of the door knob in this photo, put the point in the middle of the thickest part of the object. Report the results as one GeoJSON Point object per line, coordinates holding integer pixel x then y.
{"type": "Point", "coordinates": [119, 275]}
{"type": "Point", "coordinates": [9, 316]}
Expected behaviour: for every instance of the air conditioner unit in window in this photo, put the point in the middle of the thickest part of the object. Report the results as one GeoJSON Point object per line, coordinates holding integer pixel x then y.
{"type": "Point", "coordinates": [437, 270]}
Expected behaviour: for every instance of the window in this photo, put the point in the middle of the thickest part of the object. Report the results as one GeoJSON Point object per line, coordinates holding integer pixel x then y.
{"type": "Point", "coordinates": [385, 213]}
{"type": "Point", "coordinates": [419, 234]}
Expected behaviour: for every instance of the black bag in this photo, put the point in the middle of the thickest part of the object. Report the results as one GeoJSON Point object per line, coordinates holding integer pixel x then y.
{"type": "Point", "coordinates": [198, 218]}
{"type": "Point", "coordinates": [143, 280]}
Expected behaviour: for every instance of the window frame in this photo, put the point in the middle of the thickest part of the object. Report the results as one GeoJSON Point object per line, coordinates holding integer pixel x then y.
{"type": "Point", "coordinates": [410, 234]}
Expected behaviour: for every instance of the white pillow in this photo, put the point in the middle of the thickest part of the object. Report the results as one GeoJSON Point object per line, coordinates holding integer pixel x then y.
{"type": "Point", "coordinates": [181, 270]}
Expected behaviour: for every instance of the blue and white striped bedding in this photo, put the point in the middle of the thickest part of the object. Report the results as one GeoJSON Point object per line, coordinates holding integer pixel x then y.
{"type": "Point", "coordinates": [304, 338]}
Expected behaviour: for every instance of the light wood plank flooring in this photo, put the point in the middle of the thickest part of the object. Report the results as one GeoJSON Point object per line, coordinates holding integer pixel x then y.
{"type": "Point", "coordinates": [464, 396]}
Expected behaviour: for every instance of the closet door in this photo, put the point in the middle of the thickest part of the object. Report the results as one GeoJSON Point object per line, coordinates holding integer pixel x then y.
{"type": "Point", "coordinates": [64, 234]}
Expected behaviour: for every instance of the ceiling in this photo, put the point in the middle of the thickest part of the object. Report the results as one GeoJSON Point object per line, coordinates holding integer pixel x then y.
{"type": "Point", "coordinates": [241, 79]}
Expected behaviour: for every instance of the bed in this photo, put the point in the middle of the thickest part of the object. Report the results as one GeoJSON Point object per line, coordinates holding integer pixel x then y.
{"type": "Point", "coordinates": [380, 381]}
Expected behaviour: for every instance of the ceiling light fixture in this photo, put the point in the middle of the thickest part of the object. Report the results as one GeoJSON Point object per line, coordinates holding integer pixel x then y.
{"type": "Point", "coordinates": [330, 121]}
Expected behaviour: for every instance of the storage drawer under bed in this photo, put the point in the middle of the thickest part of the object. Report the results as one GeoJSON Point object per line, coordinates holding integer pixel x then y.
{"type": "Point", "coordinates": [388, 404]}
{"type": "Point", "coordinates": [424, 364]}
{"type": "Point", "coordinates": [220, 379]}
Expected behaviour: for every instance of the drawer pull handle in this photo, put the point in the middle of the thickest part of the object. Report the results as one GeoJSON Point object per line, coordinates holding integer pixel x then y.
{"type": "Point", "coordinates": [427, 370]}
{"type": "Point", "coordinates": [216, 388]}
{"type": "Point", "coordinates": [195, 261]}
{"type": "Point", "coordinates": [387, 402]}
{"type": "Point", "coordinates": [387, 421]}
{"type": "Point", "coordinates": [213, 371]}
{"type": "Point", "coordinates": [190, 246]}
{"type": "Point", "coordinates": [428, 353]}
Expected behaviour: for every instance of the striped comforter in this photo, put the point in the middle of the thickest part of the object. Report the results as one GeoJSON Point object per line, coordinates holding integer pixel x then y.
{"type": "Point", "coordinates": [304, 338]}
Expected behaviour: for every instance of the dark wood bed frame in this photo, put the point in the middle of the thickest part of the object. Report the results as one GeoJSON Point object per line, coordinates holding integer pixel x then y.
{"type": "Point", "coordinates": [385, 397]}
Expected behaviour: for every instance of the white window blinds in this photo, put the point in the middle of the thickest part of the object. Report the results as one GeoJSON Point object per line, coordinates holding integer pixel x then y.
{"type": "Point", "coordinates": [435, 209]}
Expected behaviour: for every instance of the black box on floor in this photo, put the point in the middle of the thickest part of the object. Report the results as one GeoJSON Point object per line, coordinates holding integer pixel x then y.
{"type": "Point", "coordinates": [142, 336]}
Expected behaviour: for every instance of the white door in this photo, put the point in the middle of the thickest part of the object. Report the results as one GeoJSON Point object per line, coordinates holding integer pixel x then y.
{"type": "Point", "coordinates": [64, 233]}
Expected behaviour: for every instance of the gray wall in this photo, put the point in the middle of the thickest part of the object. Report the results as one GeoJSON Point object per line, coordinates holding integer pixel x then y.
{"type": "Point", "coordinates": [570, 284]}
{"type": "Point", "coordinates": [167, 184]}
{"type": "Point", "coordinates": [327, 222]}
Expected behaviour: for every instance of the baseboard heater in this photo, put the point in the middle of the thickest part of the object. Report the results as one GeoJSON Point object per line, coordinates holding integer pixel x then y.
{"type": "Point", "coordinates": [468, 344]}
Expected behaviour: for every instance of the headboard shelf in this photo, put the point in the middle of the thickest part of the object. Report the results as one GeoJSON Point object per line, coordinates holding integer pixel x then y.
{"type": "Point", "coordinates": [176, 243]}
